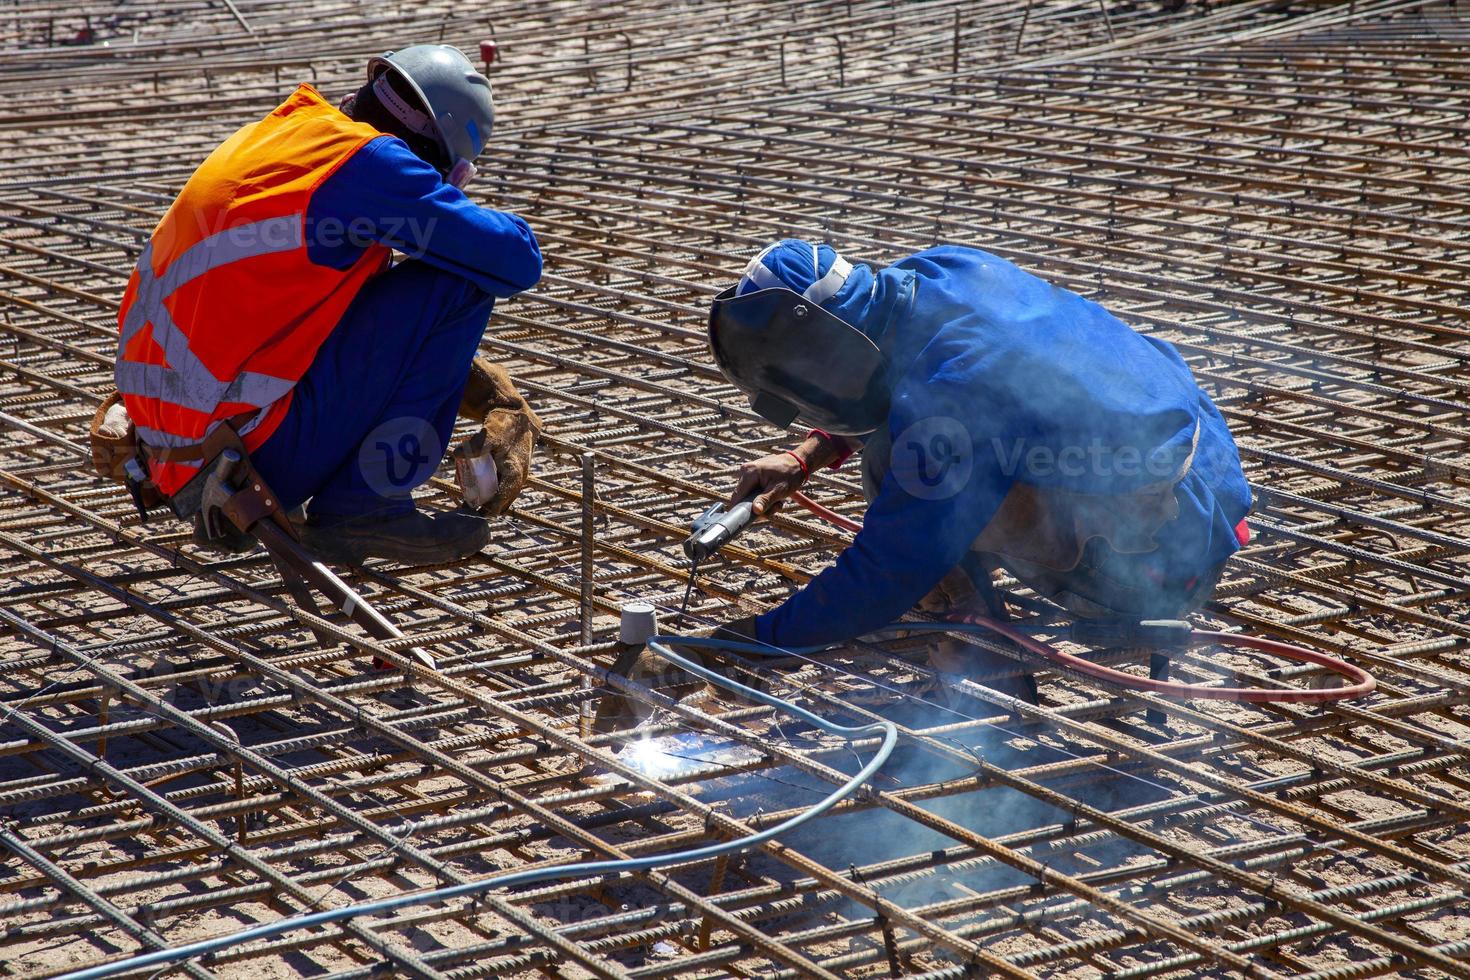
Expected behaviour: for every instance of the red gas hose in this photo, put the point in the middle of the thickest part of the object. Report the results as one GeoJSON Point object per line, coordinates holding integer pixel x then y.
{"type": "Point", "coordinates": [830, 516]}
{"type": "Point", "coordinates": [1363, 681]}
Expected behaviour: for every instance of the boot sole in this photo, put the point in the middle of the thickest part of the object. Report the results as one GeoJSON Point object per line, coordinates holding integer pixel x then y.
{"type": "Point", "coordinates": [355, 552]}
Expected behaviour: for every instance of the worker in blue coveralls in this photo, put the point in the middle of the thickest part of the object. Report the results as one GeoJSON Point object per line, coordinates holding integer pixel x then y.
{"type": "Point", "coordinates": [1004, 423]}
{"type": "Point", "coordinates": [341, 371]}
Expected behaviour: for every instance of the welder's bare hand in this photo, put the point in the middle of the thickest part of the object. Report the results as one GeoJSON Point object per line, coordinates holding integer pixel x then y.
{"type": "Point", "coordinates": [777, 477]}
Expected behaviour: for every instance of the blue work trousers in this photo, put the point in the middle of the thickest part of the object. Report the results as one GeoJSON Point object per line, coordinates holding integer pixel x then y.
{"type": "Point", "coordinates": [373, 415]}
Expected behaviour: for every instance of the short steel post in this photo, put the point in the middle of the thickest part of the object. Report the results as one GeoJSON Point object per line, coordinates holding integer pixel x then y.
{"type": "Point", "coordinates": [589, 486]}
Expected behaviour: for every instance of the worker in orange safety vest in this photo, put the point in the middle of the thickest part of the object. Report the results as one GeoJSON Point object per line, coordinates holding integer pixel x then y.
{"type": "Point", "coordinates": [266, 300]}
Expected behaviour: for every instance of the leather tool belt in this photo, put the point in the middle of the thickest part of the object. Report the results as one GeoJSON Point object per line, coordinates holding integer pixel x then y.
{"type": "Point", "coordinates": [118, 454]}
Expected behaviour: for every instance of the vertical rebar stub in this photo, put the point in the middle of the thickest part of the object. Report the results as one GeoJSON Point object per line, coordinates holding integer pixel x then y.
{"type": "Point", "coordinates": [639, 623]}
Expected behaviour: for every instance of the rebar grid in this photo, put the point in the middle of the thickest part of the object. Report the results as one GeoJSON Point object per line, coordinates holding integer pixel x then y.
{"type": "Point", "coordinates": [1279, 195]}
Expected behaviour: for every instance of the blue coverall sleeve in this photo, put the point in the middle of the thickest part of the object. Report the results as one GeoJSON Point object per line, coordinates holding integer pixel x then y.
{"type": "Point", "coordinates": [385, 193]}
{"type": "Point", "coordinates": [906, 546]}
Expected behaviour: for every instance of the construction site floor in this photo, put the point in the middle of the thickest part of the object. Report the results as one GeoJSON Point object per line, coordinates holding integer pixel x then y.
{"type": "Point", "coordinates": [1281, 190]}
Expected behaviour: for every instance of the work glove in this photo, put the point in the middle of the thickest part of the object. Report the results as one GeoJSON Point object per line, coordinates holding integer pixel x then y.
{"type": "Point", "coordinates": [618, 712]}
{"type": "Point", "coordinates": [955, 597]}
{"type": "Point", "coordinates": [508, 432]}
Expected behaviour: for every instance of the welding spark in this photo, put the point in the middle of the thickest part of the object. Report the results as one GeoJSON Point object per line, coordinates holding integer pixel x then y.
{"type": "Point", "coordinates": [672, 755]}
{"type": "Point", "coordinates": [645, 756]}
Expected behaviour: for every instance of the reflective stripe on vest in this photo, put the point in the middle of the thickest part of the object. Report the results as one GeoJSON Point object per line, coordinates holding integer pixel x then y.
{"type": "Point", "coordinates": [186, 382]}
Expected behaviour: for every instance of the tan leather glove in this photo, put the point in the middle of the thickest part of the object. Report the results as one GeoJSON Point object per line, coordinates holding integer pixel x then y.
{"type": "Point", "coordinates": [953, 598]}
{"type": "Point", "coordinates": [508, 432]}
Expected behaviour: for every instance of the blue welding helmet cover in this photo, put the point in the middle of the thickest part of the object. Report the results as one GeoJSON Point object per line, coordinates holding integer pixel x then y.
{"type": "Point", "coordinates": [794, 360]}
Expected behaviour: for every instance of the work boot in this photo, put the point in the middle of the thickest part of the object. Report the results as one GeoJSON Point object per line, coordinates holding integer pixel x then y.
{"type": "Point", "coordinates": [413, 538]}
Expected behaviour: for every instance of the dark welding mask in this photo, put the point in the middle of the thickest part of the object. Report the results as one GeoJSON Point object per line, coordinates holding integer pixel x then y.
{"type": "Point", "coordinates": [795, 360]}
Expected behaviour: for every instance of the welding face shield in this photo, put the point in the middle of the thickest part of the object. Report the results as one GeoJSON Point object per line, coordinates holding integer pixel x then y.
{"type": "Point", "coordinates": [795, 360]}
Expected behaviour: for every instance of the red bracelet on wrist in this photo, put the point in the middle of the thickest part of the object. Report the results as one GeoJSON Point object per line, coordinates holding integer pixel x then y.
{"type": "Point", "coordinates": [805, 471]}
{"type": "Point", "coordinates": [843, 452]}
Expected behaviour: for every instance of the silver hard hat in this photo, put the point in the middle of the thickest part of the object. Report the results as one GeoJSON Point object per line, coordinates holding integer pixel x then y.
{"type": "Point", "coordinates": [461, 111]}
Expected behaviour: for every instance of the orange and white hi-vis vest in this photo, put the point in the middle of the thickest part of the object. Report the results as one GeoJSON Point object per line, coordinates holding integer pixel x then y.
{"type": "Point", "coordinates": [225, 311]}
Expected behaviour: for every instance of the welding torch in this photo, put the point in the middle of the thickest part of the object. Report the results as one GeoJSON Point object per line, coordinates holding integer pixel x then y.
{"type": "Point", "coordinates": [718, 526]}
